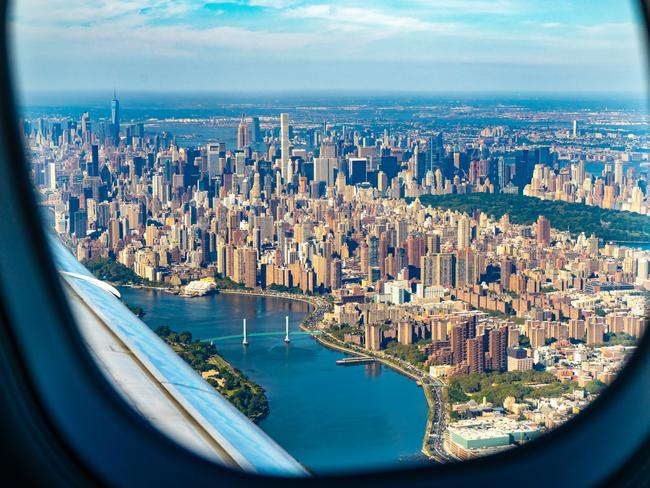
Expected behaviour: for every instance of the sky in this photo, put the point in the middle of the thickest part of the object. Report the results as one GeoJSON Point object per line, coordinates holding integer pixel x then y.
{"type": "Point", "coordinates": [514, 46]}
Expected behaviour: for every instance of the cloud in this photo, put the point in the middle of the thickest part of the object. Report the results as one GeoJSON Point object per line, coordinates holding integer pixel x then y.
{"type": "Point", "coordinates": [81, 12]}
{"type": "Point", "coordinates": [278, 4]}
{"type": "Point", "coordinates": [357, 18]}
{"type": "Point", "coordinates": [78, 36]}
{"type": "Point", "coordinates": [122, 41]}
{"type": "Point", "coordinates": [472, 7]}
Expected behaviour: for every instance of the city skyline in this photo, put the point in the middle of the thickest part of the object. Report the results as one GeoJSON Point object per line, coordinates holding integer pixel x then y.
{"type": "Point", "coordinates": [504, 249]}
{"type": "Point", "coordinates": [415, 46]}
{"type": "Point", "coordinates": [306, 237]}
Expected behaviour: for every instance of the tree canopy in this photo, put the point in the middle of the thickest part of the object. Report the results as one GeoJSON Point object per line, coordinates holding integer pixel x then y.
{"type": "Point", "coordinates": [614, 225]}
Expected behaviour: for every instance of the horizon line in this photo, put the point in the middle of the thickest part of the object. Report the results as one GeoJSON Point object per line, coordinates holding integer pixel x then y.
{"type": "Point", "coordinates": [24, 96]}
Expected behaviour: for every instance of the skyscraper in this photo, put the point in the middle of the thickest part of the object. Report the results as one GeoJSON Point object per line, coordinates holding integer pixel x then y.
{"type": "Point", "coordinates": [543, 230]}
{"type": "Point", "coordinates": [443, 269]}
{"type": "Point", "coordinates": [242, 134]}
{"type": "Point", "coordinates": [475, 355]}
{"type": "Point", "coordinates": [324, 170]}
{"type": "Point", "coordinates": [458, 337]}
{"type": "Point", "coordinates": [506, 272]}
{"type": "Point", "coordinates": [115, 119]}
{"type": "Point", "coordinates": [502, 172]}
{"type": "Point", "coordinates": [405, 332]}
{"type": "Point", "coordinates": [93, 166]}
{"type": "Point", "coordinates": [285, 158]}
{"type": "Point", "coordinates": [618, 172]}
{"type": "Point", "coordinates": [373, 251]}
{"type": "Point", "coordinates": [401, 232]}
{"type": "Point", "coordinates": [373, 337]}
{"type": "Point", "coordinates": [427, 268]}
{"type": "Point", "coordinates": [336, 274]}
{"type": "Point", "coordinates": [85, 127]}
{"type": "Point", "coordinates": [497, 348]}
{"type": "Point", "coordinates": [466, 268]}
{"type": "Point", "coordinates": [51, 175]}
{"type": "Point", "coordinates": [436, 151]}
{"type": "Point", "coordinates": [464, 232]}
{"type": "Point", "coordinates": [213, 152]}
{"type": "Point", "coordinates": [250, 267]}
{"type": "Point", "coordinates": [580, 172]}
{"type": "Point", "coordinates": [256, 134]}
{"type": "Point", "coordinates": [357, 170]}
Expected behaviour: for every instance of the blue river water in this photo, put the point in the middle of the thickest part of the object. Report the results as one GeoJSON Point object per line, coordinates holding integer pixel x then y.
{"type": "Point", "coordinates": [331, 418]}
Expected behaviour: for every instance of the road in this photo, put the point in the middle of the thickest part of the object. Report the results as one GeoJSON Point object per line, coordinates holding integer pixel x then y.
{"type": "Point", "coordinates": [438, 422]}
{"type": "Point", "coordinates": [433, 441]}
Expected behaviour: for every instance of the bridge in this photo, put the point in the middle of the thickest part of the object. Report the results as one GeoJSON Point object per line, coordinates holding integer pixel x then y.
{"type": "Point", "coordinates": [245, 335]}
{"type": "Point", "coordinates": [261, 334]}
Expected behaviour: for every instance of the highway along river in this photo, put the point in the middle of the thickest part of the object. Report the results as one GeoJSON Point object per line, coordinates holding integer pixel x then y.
{"type": "Point", "coordinates": [329, 417]}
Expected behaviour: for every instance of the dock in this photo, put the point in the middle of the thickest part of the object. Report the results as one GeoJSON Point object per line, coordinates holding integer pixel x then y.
{"type": "Point", "coordinates": [356, 360]}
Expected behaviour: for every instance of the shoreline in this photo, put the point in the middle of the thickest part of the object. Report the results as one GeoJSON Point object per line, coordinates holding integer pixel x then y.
{"type": "Point", "coordinates": [328, 341]}
{"type": "Point", "coordinates": [319, 306]}
{"type": "Point", "coordinates": [273, 294]}
{"type": "Point", "coordinates": [215, 369]}
{"type": "Point", "coordinates": [425, 385]}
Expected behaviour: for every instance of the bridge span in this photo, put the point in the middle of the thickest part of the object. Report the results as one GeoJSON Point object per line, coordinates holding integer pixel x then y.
{"type": "Point", "coordinates": [260, 334]}
{"type": "Point", "coordinates": [245, 334]}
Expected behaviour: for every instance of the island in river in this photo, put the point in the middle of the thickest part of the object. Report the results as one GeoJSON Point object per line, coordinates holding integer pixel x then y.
{"type": "Point", "coordinates": [247, 396]}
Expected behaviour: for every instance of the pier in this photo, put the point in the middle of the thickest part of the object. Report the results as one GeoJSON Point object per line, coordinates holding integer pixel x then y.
{"type": "Point", "coordinates": [356, 360]}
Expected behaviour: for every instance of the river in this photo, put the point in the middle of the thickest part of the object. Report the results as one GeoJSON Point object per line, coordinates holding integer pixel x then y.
{"type": "Point", "coordinates": [331, 418]}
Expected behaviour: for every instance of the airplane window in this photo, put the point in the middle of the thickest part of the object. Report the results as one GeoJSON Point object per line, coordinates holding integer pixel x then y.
{"type": "Point", "coordinates": [361, 236]}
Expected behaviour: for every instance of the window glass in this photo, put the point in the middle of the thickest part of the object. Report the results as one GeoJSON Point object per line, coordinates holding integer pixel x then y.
{"type": "Point", "coordinates": [388, 233]}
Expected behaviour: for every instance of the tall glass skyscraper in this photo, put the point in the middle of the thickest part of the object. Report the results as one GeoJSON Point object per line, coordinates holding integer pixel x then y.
{"type": "Point", "coordinates": [285, 167]}
{"type": "Point", "coordinates": [115, 119]}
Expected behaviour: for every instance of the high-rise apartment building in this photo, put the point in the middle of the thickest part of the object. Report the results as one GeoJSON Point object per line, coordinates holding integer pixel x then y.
{"type": "Point", "coordinates": [464, 232]}
{"type": "Point", "coordinates": [498, 348]}
{"type": "Point", "coordinates": [250, 267]}
{"type": "Point", "coordinates": [475, 355]}
{"type": "Point", "coordinates": [444, 270]}
{"type": "Point", "coordinates": [466, 269]}
{"type": "Point", "coordinates": [427, 267]}
{"type": "Point", "coordinates": [336, 274]}
{"type": "Point", "coordinates": [543, 231]}
{"type": "Point", "coordinates": [405, 332]}
{"type": "Point", "coordinates": [595, 331]}
{"type": "Point", "coordinates": [373, 337]}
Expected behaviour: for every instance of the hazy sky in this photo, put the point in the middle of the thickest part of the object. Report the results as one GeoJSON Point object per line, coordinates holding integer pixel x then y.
{"type": "Point", "coordinates": [411, 45]}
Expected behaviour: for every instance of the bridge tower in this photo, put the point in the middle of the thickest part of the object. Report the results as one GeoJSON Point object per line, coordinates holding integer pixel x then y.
{"type": "Point", "coordinates": [286, 337]}
{"type": "Point", "coordinates": [245, 341]}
